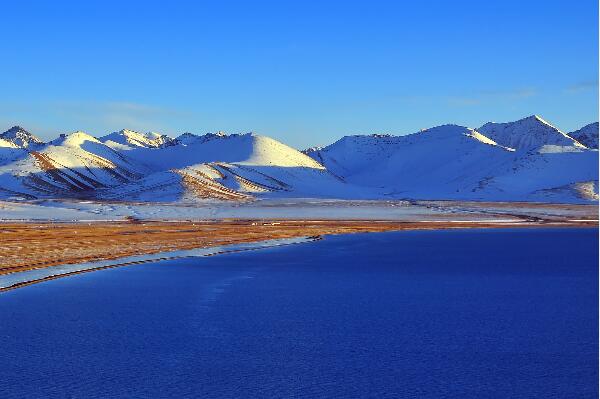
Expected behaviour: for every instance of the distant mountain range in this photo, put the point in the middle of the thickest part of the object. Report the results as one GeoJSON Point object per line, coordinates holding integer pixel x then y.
{"type": "Point", "coordinates": [526, 160]}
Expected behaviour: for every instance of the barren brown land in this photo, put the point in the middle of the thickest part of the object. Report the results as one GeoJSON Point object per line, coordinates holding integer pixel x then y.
{"type": "Point", "coordinates": [26, 246]}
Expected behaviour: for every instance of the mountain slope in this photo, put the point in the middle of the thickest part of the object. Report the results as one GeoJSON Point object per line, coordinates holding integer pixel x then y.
{"type": "Point", "coordinates": [547, 176]}
{"type": "Point", "coordinates": [73, 165]}
{"type": "Point", "coordinates": [587, 135]}
{"type": "Point", "coordinates": [529, 133]}
{"type": "Point", "coordinates": [351, 154]}
{"type": "Point", "coordinates": [7, 144]}
{"type": "Point", "coordinates": [442, 161]}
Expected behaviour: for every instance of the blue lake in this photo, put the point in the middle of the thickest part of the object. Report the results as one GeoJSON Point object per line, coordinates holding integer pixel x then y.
{"type": "Point", "coordinates": [430, 314]}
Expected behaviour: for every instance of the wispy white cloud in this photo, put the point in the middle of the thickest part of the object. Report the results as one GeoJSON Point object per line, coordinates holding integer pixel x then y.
{"type": "Point", "coordinates": [49, 118]}
{"type": "Point", "coordinates": [113, 115]}
{"type": "Point", "coordinates": [491, 96]}
{"type": "Point", "coordinates": [582, 86]}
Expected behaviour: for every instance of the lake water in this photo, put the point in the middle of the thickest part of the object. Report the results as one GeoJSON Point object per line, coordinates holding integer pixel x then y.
{"type": "Point", "coordinates": [430, 314]}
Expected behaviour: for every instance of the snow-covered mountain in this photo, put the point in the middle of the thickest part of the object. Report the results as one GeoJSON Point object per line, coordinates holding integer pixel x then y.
{"type": "Point", "coordinates": [126, 139]}
{"type": "Point", "coordinates": [528, 133]}
{"type": "Point", "coordinates": [73, 165]}
{"type": "Point", "coordinates": [528, 160]}
{"type": "Point", "coordinates": [20, 137]}
{"type": "Point", "coordinates": [587, 135]}
{"type": "Point", "coordinates": [439, 160]}
{"type": "Point", "coordinates": [229, 167]}
{"type": "Point", "coordinates": [524, 160]}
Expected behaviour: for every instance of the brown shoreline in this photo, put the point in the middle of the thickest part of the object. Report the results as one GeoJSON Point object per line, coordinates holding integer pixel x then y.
{"type": "Point", "coordinates": [133, 263]}
{"type": "Point", "coordinates": [27, 246]}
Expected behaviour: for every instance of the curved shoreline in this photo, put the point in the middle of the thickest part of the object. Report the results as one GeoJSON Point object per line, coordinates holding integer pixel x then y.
{"type": "Point", "coordinates": [86, 267]}
{"type": "Point", "coordinates": [202, 240]}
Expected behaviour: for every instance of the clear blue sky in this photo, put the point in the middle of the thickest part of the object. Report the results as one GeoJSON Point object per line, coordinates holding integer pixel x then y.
{"type": "Point", "coordinates": [303, 72]}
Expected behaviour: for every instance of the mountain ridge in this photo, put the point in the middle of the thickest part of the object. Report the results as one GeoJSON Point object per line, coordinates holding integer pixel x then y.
{"type": "Point", "coordinates": [528, 159]}
{"type": "Point", "coordinates": [587, 135]}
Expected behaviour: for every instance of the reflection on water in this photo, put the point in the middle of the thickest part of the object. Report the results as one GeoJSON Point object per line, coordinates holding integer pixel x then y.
{"type": "Point", "coordinates": [502, 313]}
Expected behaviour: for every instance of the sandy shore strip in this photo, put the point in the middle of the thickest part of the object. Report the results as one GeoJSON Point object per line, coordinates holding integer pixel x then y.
{"type": "Point", "coordinates": [27, 246]}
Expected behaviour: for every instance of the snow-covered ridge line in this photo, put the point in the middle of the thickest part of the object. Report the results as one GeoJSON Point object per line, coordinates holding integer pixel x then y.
{"type": "Point", "coordinates": [132, 138]}
{"type": "Point", "coordinates": [529, 160]}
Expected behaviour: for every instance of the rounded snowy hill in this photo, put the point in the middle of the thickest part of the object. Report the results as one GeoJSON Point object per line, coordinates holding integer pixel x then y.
{"type": "Point", "coordinates": [231, 167]}
{"type": "Point", "coordinates": [243, 149]}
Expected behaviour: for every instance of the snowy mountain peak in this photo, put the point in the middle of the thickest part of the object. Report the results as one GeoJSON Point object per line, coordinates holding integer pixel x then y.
{"type": "Point", "coordinates": [218, 135]}
{"type": "Point", "coordinates": [587, 135]}
{"type": "Point", "coordinates": [531, 120]}
{"type": "Point", "coordinates": [186, 138]}
{"type": "Point", "coordinates": [447, 129]}
{"type": "Point", "coordinates": [537, 118]}
{"type": "Point", "coordinates": [263, 150]}
{"type": "Point", "coordinates": [190, 138]}
{"type": "Point", "coordinates": [133, 139]}
{"type": "Point", "coordinates": [75, 139]}
{"type": "Point", "coordinates": [541, 121]}
{"type": "Point", "coordinates": [530, 133]}
{"type": "Point", "coordinates": [312, 149]}
{"type": "Point", "coordinates": [20, 137]}
{"type": "Point", "coordinates": [454, 133]}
